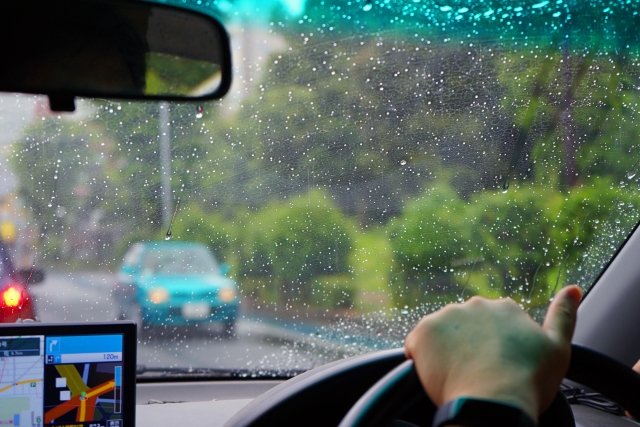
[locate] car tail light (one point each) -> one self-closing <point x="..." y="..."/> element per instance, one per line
<point x="12" y="297"/>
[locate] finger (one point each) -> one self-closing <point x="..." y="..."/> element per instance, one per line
<point x="416" y="335"/>
<point x="408" y="344"/>
<point x="561" y="315"/>
<point x="410" y="341"/>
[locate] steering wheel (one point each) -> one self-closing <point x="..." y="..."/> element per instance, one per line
<point x="401" y="388"/>
<point x="322" y="396"/>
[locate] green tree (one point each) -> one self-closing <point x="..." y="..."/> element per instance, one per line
<point x="294" y="242"/>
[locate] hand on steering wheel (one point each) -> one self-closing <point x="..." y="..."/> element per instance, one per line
<point x="323" y="395"/>
<point x="492" y="350"/>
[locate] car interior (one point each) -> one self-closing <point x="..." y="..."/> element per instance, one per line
<point x="351" y="165"/>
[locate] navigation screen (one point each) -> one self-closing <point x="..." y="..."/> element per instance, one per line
<point x="72" y="380"/>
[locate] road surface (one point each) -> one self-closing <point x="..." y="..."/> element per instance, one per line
<point x="67" y="297"/>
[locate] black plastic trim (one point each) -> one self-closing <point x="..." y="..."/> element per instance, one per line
<point x="609" y="311"/>
<point x="226" y="68"/>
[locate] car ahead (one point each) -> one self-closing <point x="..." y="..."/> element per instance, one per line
<point x="169" y="284"/>
<point x="374" y="161"/>
<point x="16" y="302"/>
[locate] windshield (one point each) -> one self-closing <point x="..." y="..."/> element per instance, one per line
<point x="374" y="160"/>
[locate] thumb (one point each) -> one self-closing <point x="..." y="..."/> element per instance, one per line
<point x="561" y="315"/>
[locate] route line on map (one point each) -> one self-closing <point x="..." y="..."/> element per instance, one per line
<point x="86" y="406"/>
<point x="5" y="388"/>
<point x="92" y="398"/>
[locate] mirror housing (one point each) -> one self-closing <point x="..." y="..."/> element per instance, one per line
<point x="112" y="49"/>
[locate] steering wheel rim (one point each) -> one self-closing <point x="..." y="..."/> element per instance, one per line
<point x="401" y="387"/>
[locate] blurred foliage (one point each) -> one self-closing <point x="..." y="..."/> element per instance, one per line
<point x="210" y="228"/>
<point x="295" y="241"/>
<point x="433" y="232"/>
<point x="519" y="243"/>
<point x="49" y="178"/>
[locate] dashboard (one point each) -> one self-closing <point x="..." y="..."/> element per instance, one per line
<point x="319" y="397"/>
<point x="84" y="375"/>
<point x="217" y="411"/>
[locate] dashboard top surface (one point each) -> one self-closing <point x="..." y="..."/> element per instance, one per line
<point x="192" y="414"/>
<point x="216" y="413"/>
<point x="201" y="391"/>
<point x="213" y="403"/>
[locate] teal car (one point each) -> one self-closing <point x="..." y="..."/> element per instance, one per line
<point x="166" y="284"/>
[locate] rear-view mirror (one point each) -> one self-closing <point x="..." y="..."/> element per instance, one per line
<point x="111" y="49"/>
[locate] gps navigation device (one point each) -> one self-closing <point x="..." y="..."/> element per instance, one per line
<point x="67" y="375"/>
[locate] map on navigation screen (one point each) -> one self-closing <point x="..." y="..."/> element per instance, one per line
<point x="21" y="381"/>
<point x="60" y="381"/>
<point x="82" y="392"/>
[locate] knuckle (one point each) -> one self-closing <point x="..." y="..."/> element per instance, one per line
<point x="447" y="310"/>
<point x="476" y="300"/>
<point x="507" y="301"/>
<point x="409" y="342"/>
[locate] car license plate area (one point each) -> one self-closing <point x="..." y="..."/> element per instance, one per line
<point x="196" y="311"/>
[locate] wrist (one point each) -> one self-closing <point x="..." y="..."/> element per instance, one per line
<point x="518" y="394"/>
<point x="473" y="412"/>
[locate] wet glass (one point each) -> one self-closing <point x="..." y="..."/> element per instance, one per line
<point x="373" y="161"/>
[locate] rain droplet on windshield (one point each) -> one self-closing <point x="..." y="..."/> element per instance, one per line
<point x="634" y="170"/>
<point x="505" y="185"/>
<point x="540" y="5"/>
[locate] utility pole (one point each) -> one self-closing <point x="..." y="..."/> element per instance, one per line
<point x="165" y="164"/>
